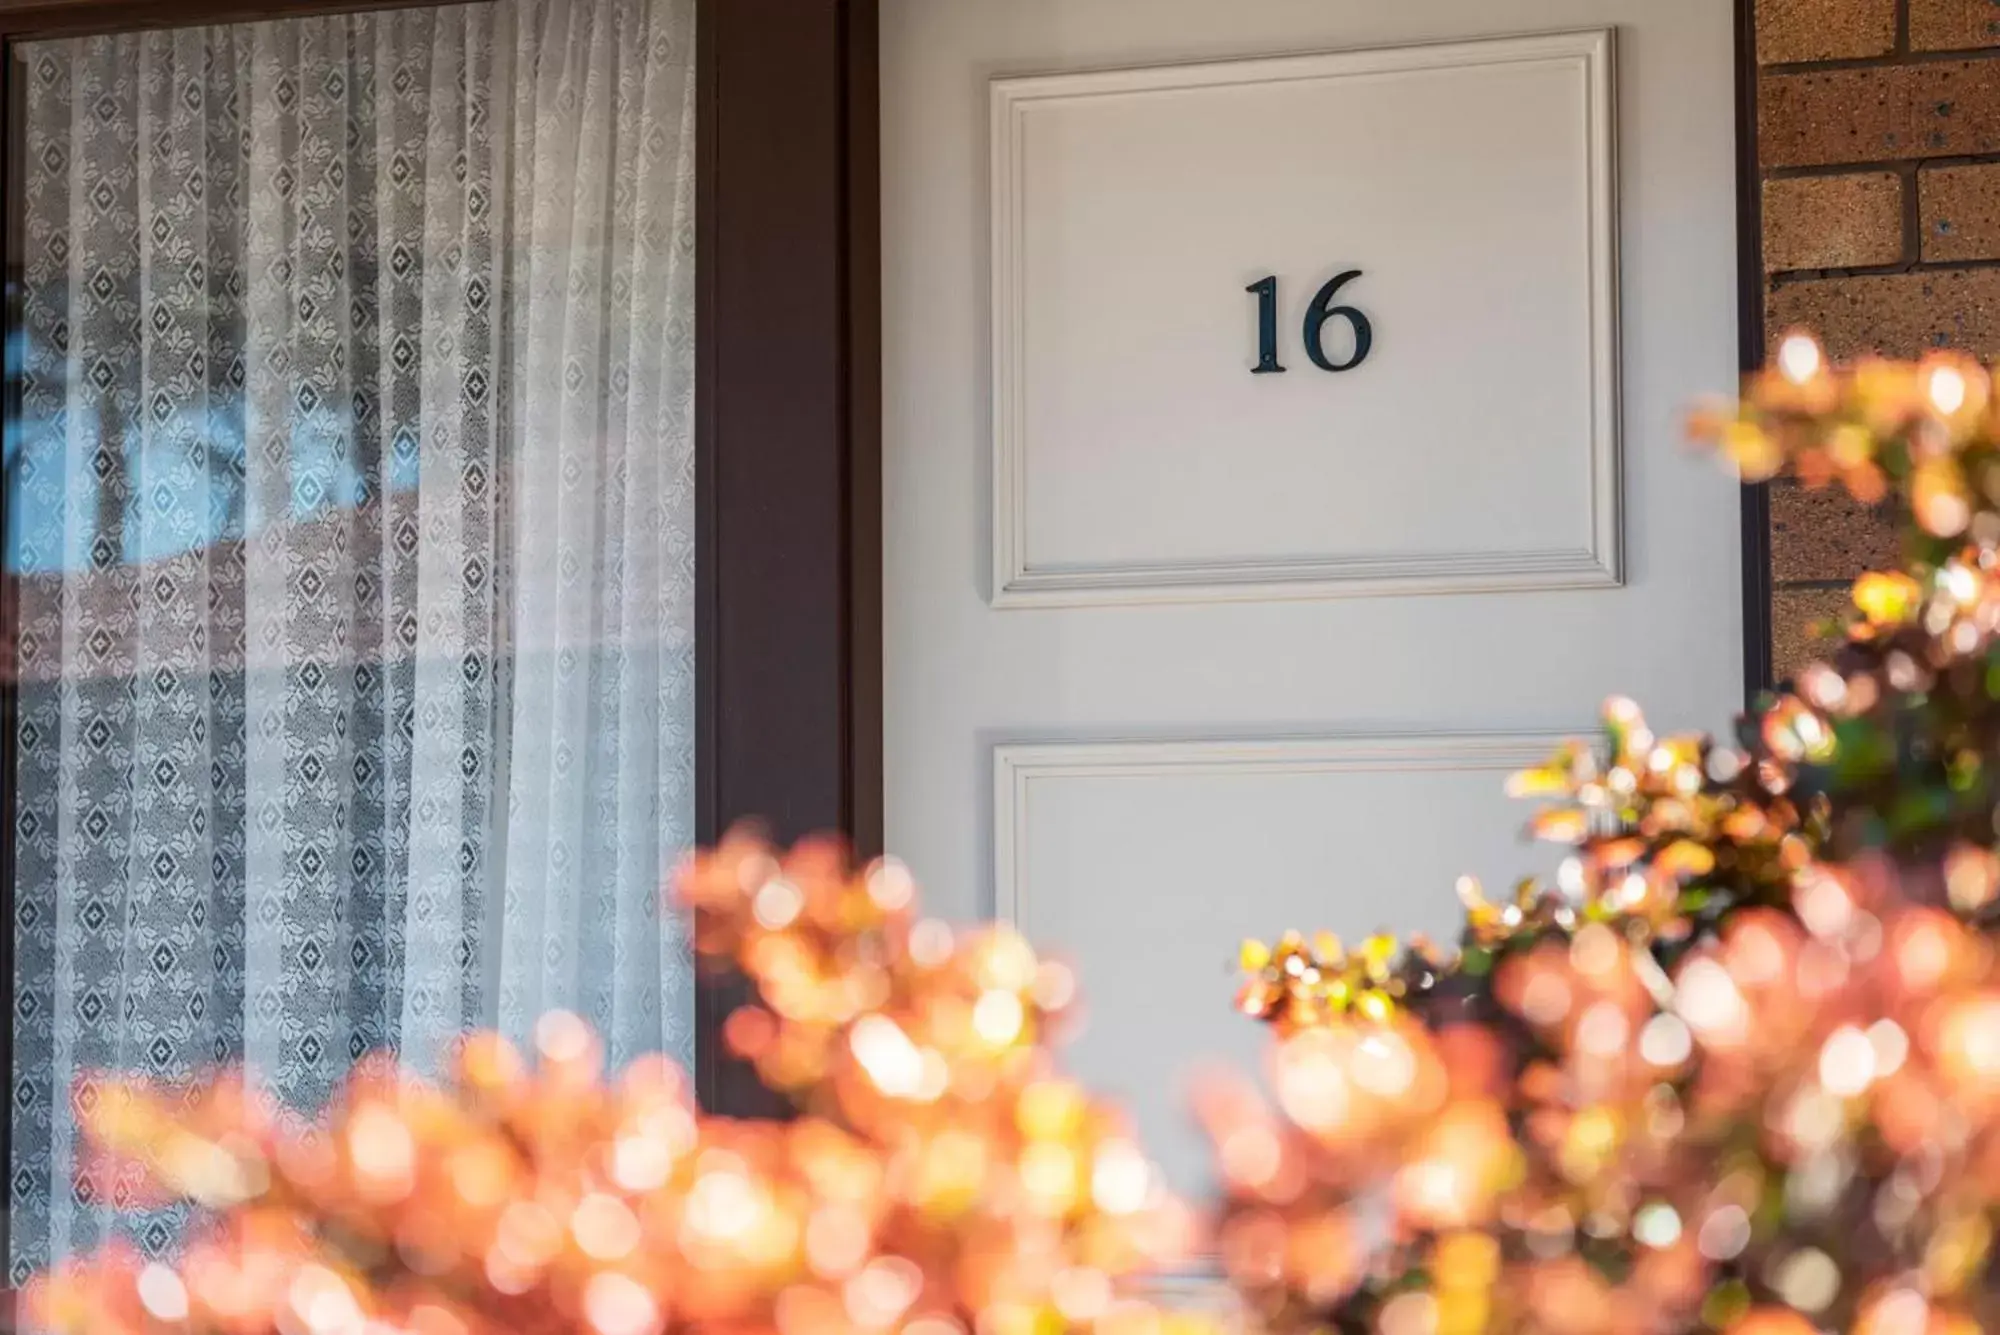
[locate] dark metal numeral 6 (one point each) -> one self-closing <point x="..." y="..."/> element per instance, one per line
<point x="1322" y="310"/>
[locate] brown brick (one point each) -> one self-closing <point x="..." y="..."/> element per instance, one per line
<point x="1960" y="208"/>
<point x="1898" y="315"/>
<point x="1798" y="616"/>
<point x="1951" y="25"/>
<point x="1823" y="533"/>
<point x="1833" y="222"/>
<point x="1937" y="108"/>
<point x="1824" y="29"/>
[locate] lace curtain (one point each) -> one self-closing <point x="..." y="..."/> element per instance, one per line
<point x="352" y="519"/>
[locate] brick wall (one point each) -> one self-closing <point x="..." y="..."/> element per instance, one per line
<point x="1878" y="141"/>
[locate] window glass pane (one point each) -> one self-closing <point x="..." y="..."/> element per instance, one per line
<point x="351" y="508"/>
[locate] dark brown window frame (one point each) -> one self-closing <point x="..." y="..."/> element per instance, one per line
<point x="788" y="430"/>
<point x="787" y="437"/>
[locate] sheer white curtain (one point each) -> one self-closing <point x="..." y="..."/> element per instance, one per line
<point x="352" y="514"/>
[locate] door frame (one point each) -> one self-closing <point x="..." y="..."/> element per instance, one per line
<point x="1757" y="654"/>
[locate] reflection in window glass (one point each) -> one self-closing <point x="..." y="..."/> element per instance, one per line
<point x="351" y="511"/>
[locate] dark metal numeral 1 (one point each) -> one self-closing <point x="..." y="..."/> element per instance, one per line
<point x="1266" y="290"/>
<point x="1323" y="310"/>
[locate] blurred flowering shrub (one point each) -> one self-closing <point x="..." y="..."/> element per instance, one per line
<point x="1736" y="1069"/>
<point x="943" y="1175"/>
<point x="1739" y="1068"/>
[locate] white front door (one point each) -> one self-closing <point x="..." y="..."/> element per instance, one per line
<point x="1182" y="647"/>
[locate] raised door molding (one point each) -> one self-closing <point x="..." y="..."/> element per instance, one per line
<point x="1017" y="766"/>
<point x="1591" y="552"/>
<point x="1198" y="1284"/>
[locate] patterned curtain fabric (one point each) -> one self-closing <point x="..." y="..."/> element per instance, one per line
<point x="352" y="519"/>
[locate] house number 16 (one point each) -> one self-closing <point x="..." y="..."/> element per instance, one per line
<point x="1314" y="331"/>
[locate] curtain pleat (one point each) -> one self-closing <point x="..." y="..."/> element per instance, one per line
<point x="353" y="518"/>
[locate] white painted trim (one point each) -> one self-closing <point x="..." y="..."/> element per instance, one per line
<point x="1016" y="583"/>
<point x="1017" y="765"/>
<point x="1307" y="577"/>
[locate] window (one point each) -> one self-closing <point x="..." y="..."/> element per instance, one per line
<point x="351" y="510"/>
